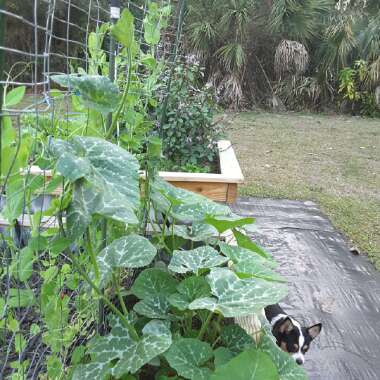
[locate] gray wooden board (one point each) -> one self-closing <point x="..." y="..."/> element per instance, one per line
<point x="326" y="284"/>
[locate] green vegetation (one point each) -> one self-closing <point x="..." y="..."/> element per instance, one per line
<point x="332" y="160"/>
<point x="189" y="134"/>
<point x="132" y="278"/>
<point x="287" y="52"/>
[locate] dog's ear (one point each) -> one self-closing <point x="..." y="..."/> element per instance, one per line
<point x="286" y="326"/>
<point x="314" y="331"/>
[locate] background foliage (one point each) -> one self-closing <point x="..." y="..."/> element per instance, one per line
<point x="313" y="41"/>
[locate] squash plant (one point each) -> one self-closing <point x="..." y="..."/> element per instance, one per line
<point x="171" y="290"/>
<point x="136" y="279"/>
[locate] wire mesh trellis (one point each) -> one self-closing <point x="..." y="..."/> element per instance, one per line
<point x="40" y="331"/>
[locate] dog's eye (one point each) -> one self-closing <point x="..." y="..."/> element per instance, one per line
<point x="305" y="348"/>
<point x="295" y="348"/>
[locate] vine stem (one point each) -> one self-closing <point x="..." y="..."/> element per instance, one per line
<point x="123" y="99"/>
<point x="91" y="253"/>
<point x="119" y="296"/>
<point x="205" y="325"/>
<point x="128" y="326"/>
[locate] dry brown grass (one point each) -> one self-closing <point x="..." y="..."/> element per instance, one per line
<point x="333" y="160"/>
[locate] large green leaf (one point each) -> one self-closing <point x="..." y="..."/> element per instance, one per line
<point x="196" y="259"/>
<point x="189" y="290"/>
<point x="222" y="356"/>
<point x="23" y="264"/>
<point x="20" y="298"/>
<point x="108" y="180"/>
<point x="117" y="168"/>
<point x="235" y="252"/>
<point x="154" y="21"/>
<point x="98" y="370"/>
<point x="131" y="354"/>
<point x="187" y="356"/>
<point x="195" y="232"/>
<point x="248" y="264"/>
<point x="287" y="368"/>
<point x="223" y="224"/>
<point x="153" y="282"/>
<point x="235" y="297"/>
<point x="132" y="251"/>
<point x="73" y="167"/>
<point x="123" y="30"/>
<point x="245" y="242"/>
<point x="14" y="96"/>
<point x="154" y="307"/>
<point x="184" y="205"/>
<point x="253" y="365"/>
<point x="78" y="213"/>
<point x="236" y="338"/>
<point x="98" y="92"/>
<point x="155" y="341"/>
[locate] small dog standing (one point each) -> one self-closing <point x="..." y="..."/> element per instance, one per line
<point x="290" y="335"/>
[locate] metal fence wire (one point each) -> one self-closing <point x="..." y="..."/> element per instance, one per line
<point x="40" y="331"/>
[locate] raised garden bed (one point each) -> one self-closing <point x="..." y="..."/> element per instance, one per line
<point x="217" y="187"/>
<point x="220" y="187"/>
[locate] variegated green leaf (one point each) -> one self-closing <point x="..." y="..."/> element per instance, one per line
<point x="188" y="357"/>
<point x="195" y="232"/>
<point x="197" y="211"/>
<point x="73" y="167"/>
<point x="236" y="338"/>
<point x="153" y="282"/>
<point x="91" y="371"/>
<point x="235" y="297"/>
<point x="112" y="166"/>
<point x="98" y="92"/>
<point x="130" y="355"/>
<point x="106" y="180"/>
<point x="196" y="259"/>
<point x="253" y="365"/>
<point x="154" y="307"/>
<point x="155" y="341"/>
<point x="132" y="251"/>
<point x="184" y="205"/>
<point x="248" y="264"/>
<point x="188" y="290"/>
<point x="238" y="253"/>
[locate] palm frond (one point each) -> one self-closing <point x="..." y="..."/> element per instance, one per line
<point x="232" y="56"/>
<point x="291" y="58"/>
<point x="299" y="20"/>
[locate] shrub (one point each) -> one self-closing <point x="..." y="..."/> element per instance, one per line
<point x="188" y="131"/>
<point x="357" y="95"/>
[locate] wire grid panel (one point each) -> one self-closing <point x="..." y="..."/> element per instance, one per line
<point x="45" y="37"/>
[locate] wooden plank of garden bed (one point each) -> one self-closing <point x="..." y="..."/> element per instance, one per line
<point x="221" y="187"/>
<point x="25" y="221"/>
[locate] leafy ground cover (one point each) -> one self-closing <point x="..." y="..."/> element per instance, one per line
<point x="333" y="160"/>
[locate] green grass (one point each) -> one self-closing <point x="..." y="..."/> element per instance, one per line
<point x="332" y="160"/>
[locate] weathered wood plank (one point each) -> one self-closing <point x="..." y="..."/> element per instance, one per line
<point x="217" y="187"/>
<point x="212" y="190"/>
<point x="229" y="164"/>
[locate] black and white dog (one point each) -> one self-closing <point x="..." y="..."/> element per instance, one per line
<point x="290" y="335"/>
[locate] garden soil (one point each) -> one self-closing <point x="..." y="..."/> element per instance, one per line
<point x="327" y="283"/>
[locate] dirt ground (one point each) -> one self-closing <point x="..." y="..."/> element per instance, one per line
<point x="333" y="160"/>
